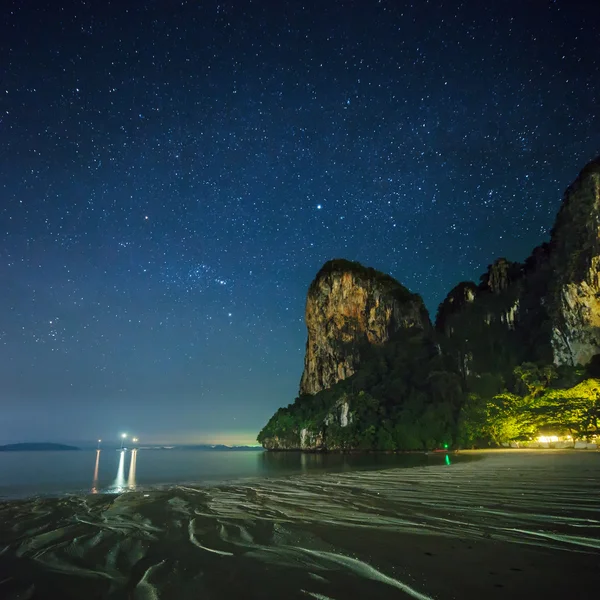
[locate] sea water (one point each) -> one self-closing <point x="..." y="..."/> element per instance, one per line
<point x="52" y="473"/>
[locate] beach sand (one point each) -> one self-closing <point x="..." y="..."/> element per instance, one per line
<point x="505" y="525"/>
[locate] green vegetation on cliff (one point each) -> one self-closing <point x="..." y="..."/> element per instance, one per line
<point x="403" y="397"/>
<point x="406" y="397"/>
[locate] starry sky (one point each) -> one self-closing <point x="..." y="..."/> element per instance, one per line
<point x="174" y="173"/>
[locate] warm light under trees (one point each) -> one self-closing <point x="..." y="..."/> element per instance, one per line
<point x="547" y="402"/>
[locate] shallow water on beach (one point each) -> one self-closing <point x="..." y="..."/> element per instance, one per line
<point x="514" y="525"/>
<point x="25" y="474"/>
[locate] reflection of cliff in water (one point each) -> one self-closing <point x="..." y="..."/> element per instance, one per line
<point x="294" y="462"/>
<point x="291" y="461"/>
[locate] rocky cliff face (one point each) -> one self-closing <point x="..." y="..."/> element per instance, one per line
<point x="347" y="307"/>
<point x="575" y="291"/>
<point x="547" y="309"/>
<point x="364" y="324"/>
<point x="480" y="324"/>
<point x="313" y="438"/>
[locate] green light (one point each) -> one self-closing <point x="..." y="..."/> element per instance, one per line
<point x="446" y="446"/>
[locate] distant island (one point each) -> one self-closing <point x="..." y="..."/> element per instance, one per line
<point x="212" y="447"/>
<point x="28" y="447"/>
<point x="223" y="447"/>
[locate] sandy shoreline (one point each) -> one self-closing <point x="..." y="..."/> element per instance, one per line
<point x="513" y="524"/>
<point x="483" y="451"/>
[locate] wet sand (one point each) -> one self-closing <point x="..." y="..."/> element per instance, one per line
<point x="510" y="525"/>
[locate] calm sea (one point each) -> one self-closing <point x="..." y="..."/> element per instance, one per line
<point x="24" y="474"/>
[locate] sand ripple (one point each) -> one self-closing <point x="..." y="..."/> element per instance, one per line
<point x="330" y="536"/>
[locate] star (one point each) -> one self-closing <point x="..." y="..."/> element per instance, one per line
<point x="424" y="144"/>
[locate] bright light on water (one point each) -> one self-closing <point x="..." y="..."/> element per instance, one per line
<point x="131" y="478"/>
<point x="23" y="474"/>
<point x="119" y="482"/>
<point x="95" y="481"/>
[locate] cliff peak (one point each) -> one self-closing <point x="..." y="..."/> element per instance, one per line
<point x="547" y="309"/>
<point x="341" y="266"/>
<point x="575" y="263"/>
<point x="350" y="305"/>
<point x="500" y="275"/>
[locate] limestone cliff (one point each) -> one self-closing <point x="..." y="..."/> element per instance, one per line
<point x="371" y="350"/>
<point x="377" y="376"/>
<point x="401" y="397"/>
<point x="547" y="309"/>
<point x="348" y="306"/>
<point x="575" y="291"/>
<point x="315" y="437"/>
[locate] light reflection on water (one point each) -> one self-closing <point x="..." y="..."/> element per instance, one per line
<point x="25" y="474"/>
<point x="282" y="463"/>
<point x="131" y="478"/>
<point x="279" y="463"/>
<point x="119" y="482"/>
<point x="95" y="481"/>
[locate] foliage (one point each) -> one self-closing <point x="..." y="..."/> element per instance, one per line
<point x="403" y="397"/>
<point x="535" y="379"/>
<point x="576" y="409"/>
<point x="472" y="429"/>
<point x="507" y="418"/>
<point x="544" y="398"/>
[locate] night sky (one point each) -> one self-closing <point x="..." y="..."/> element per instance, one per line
<point x="173" y="175"/>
